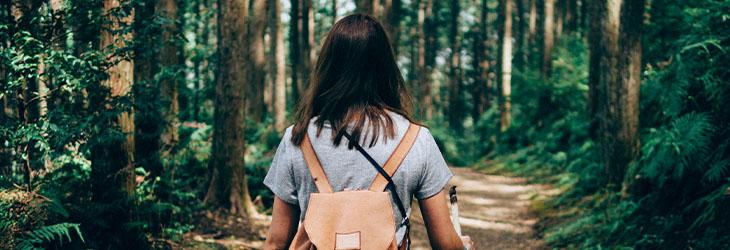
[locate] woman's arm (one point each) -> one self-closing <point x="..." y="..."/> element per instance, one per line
<point x="441" y="232"/>
<point x="284" y="223"/>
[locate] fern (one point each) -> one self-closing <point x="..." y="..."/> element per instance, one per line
<point x="716" y="171"/>
<point x="671" y="151"/>
<point x="48" y="234"/>
<point x="709" y="205"/>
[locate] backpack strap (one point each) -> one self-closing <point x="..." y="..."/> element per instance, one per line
<point x="315" y="168"/>
<point x="393" y="162"/>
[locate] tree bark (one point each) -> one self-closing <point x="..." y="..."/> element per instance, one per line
<point x="112" y="155"/>
<point x="149" y="123"/>
<point x="614" y="82"/>
<point x="169" y="59"/>
<point x="425" y="47"/>
<point x="120" y="81"/>
<point x="521" y="36"/>
<point x="571" y="15"/>
<point x="334" y="12"/>
<point x="255" y="106"/>
<point x="228" y="188"/>
<point x="548" y="38"/>
<point x="532" y="23"/>
<point x="506" y="63"/>
<point x="455" y="111"/>
<point x="431" y="88"/>
<point x="391" y="14"/>
<point x="483" y="86"/>
<point x="310" y="48"/>
<point x="6" y="112"/>
<point x="302" y="36"/>
<point x="559" y="15"/>
<point x="278" y="66"/>
<point x="294" y="53"/>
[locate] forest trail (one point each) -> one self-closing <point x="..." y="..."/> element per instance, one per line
<point x="493" y="211"/>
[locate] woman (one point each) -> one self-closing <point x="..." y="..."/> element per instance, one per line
<point x="357" y="88"/>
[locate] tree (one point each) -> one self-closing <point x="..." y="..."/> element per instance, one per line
<point x="228" y="188"/>
<point x="391" y="21"/>
<point x="277" y="65"/>
<point x="481" y="91"/>
<point x="559" y="18"/>
<point x="148" y="125"/>
<point x="454" y="103"/>
<point x="532" y="22"/>
<point x="614" y="82"/>
<point x="301" y="41"/>
<point x="119" y="83"/>
<point x="505" y="70"/>
<point x="112" y="152"/>
<point x="521" y="37"/>
<point x="294" y="53"/>
<point x="571" y="15"/>
<point x="424" y="57"/>
<point x="334" y="12"/>
<point x="367" y="7"/>
<point x="257" y="73"/>
<point x="547" y="38"/>
<point x="169" y="60"/>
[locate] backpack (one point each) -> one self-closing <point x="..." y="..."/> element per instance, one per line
<point x="361" y="219"/>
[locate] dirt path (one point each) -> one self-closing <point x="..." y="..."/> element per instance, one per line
<point x="493" y="211"/>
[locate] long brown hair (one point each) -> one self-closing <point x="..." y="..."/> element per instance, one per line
<point x="355" y="81"/>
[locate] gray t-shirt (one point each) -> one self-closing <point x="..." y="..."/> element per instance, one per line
<point x="423" y="173"/>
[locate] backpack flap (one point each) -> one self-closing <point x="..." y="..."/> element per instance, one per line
<point x="350" y="220"/>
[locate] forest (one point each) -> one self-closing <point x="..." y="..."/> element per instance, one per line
<point x="150" y="124"/>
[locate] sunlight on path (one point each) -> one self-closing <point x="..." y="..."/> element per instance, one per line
<point x="493" y="211"/>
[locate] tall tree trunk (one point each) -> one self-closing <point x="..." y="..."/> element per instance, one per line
<point x="277" y="65"/>
<point x="295" y="22"/>
<point x="112" y="159"/>
<point x="548" y="38"/>
<point x="431" y="88"/>
<point x="583" y="22"/>
<point x="255" y="106"/>
<point x="614" y="79"/>
<point x="455" y="111"/>
<point x="33" y="93"/>
<point x="310" y="48"/>
<point x="505" y="70"/>
<point x="6" y="112"/>
<point x="571" y="15"/>
<point x="559" y="15"/>
<point x="520" y="36"/>
<point x="228" y="188"/>
<point x="301" y="53"/>
<point x="483" y="87"/>
<point x="149" y="122"/>
<point x="423" y="68"/>
<point x="391" y="13"/>
<point x="532" y="23"/>
<point x="334" y="12"/>
<point x="169" y="59"/>
<point x="121" y="77"/>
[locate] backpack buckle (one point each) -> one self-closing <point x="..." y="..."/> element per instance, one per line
<point x="406" y="221"/>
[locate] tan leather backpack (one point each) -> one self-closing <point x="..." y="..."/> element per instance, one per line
<point x="360" y="219"/>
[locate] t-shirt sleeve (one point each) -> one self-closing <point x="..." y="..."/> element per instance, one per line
<point x="436" y="173"/>
<point x="280" y="178"/>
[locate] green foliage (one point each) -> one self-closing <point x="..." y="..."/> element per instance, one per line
<point x="673" y="193"/>
<point x="48" y="234"/>
<point x="670" y="152"/>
